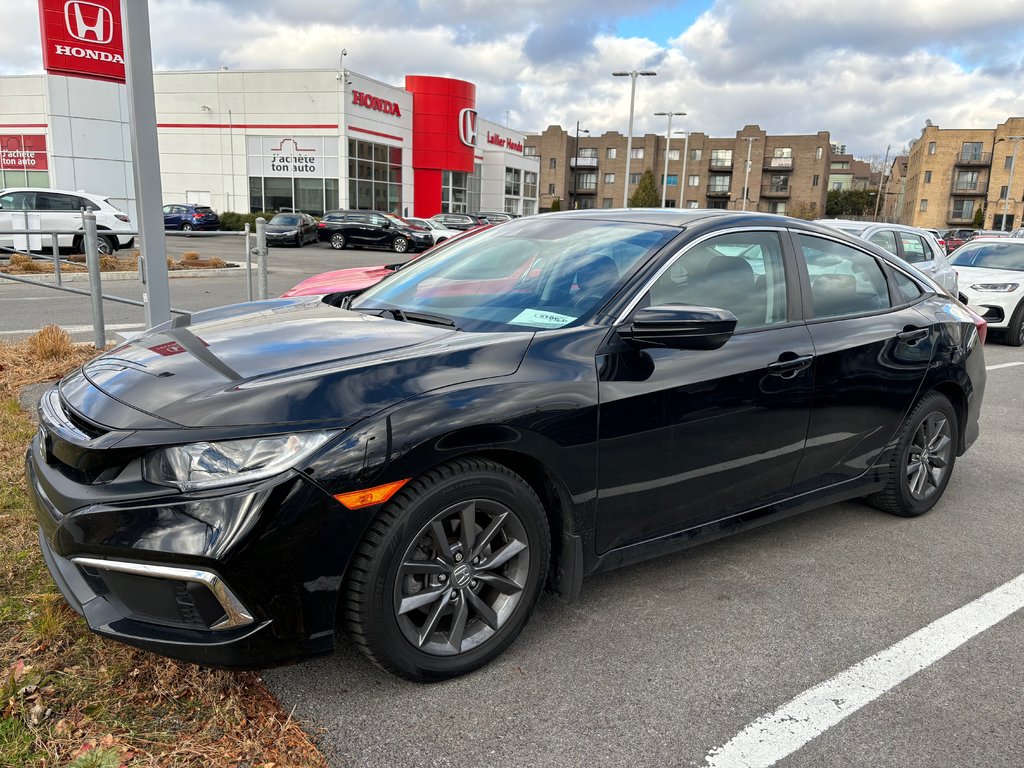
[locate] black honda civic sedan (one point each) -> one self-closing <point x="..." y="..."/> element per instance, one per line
<point x="557" y="396"/>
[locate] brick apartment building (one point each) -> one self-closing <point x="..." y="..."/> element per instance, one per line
<point x="952" y="173"/>
<point x="788" y="174"/>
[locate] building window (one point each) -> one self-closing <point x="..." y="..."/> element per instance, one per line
<point x="693" y="181"/>
<point x="818" y="153"/>
<point x="931" y="147"/>
<point x="610" y="153"/>
<point x="529" y="207"/>
<point x="606" y="202"/>
<point x="551" y="189"/>
<point x="670" y="203"/>
<point x="672" y="180"/>
<point x="1008" y="163"/>
<point x="718" y="204"/>
<point x="782" y="152"/>
<point x="588" y="152"/>
<point x="586" y="182"/>
<point x="636" y="153"/>
<point x="529" y="184"/>
<point x="971" y="150"/>
<point x="777" y="207"/>
<point x="553" y="163"/>
<point x="460" y="191"/>
<point x="692" y="204"/>
<point x="609" y="178"/>
<point x="529" y="151"/>
<point x="695" y="154"/>
<point x="282" y="180"/>
<point x="673" y="154"/>
<point x="721" y="157"/>
<point x="966" y="181"/>
<point x="719" y="183"/>
<point x="513" y="182"/>
<point x="816" y="180"/>
<point x="1002" y="192"/>
<point x="924" y="206"/>
<point x="963" y="210"/>
<point x="634" y="178"/>
<point x="512" y="205"/>
<point x="927" y="177"/>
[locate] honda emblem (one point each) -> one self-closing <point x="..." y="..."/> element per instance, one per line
<point x="89" y="22"/>
<point x="467" y="127"/>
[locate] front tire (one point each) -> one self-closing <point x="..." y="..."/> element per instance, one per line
<point x="1015" y="330"/>
<point x="400" y="245"/>
<point x="447" y="575"/>
<point x="923" y="461"/>
<point x="337" y="241"/>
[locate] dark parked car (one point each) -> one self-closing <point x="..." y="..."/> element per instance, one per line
<point x="956" y="237"/>
<point x="494" y="217"/>
<point x="416" y="467"/>
<point x="291" y="229"/>
<point x="187" y="217"/>
<point x="460" y="220"/>
<point x="370" y="229"/>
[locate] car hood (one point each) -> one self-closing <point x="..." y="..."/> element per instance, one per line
<point x="353" y="279"/>
<point x="969" y="275"/>
<point x="272" y="228"/>
<point x="282" y="362"/>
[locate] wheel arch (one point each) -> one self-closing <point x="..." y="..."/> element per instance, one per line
<point x="953" y="392"/>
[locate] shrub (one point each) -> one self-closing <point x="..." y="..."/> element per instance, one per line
<point x="556" y="204"/>
<point x="50" y="342"/>
<point x="646" y="195"/>
<point x="235" y="222"/>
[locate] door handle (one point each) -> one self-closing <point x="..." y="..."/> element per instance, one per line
<point x="911" y="335"/>
<point x="792" y="365"/>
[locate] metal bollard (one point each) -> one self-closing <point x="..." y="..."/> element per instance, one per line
<point x="248" y="260"/>
<point x="92" y="260"/>
<point x="55" y="248"/>
<point x="261" y="256"/>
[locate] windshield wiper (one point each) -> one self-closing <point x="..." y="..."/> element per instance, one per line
<point x="405" y="316"/>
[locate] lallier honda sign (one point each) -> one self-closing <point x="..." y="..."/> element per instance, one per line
<point x="82" y="38"/>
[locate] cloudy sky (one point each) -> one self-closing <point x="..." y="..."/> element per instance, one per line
<point x="869" y="71"/>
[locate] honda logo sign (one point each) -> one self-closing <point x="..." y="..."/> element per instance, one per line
<point x="89" y="22"/>
<point x="467" y="127"/>
<point x="83" y="38"/>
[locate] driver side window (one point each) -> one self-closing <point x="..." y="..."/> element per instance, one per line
<point x="741" y="272"/>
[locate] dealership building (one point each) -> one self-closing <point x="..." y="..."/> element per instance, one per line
<point x="266" y="140"/>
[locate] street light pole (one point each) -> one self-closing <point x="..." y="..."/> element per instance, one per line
<point x="1009" y="182"/>
<point x="668" y="141"/>
<point x="686" y="155"/>
<point x="746" y="177"/>
<point x="629" y="137"/>
<point x="576" y="163"/>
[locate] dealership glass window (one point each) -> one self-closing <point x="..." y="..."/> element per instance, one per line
<point x="695" y="154"/>
<point x="529" y="207"/>
<point x="693" y="181"/>
<point x="588" y="152"/>
<point x="529" y="185"/>
<point x="721" y="157"/>
<point x="513" y="182"/>
<point x="673" y="154"/>
<point x="672" y="180"/>
<point x="24" y="179"/>
<point x="374" y="176"/>
<point x="512" y="205"/>
<point x="293" y="172"/>
<point x="610" y="153"/>
<point x="460" y="191"/>
<point x="634" y="178"/>
<point x="637" y="153"/>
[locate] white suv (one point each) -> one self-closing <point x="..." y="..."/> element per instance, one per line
<point x="61" y="209"/>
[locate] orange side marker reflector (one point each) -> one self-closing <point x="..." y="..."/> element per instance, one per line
<point x="370" y="496"/>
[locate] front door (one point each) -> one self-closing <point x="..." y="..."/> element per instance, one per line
<point x="689" y="436"/>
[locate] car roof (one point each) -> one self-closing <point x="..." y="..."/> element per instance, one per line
<point x="79" y="192"/>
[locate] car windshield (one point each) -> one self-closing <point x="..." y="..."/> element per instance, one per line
<point x="1002" y="255"/>
<point x="398" y="220"/>
<point x="536" y="274"/>
<point x="285" y="220"/>
<point x="850" y="227"/>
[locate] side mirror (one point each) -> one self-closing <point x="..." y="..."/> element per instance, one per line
<point x="386" y="224"/>
<point x="678" y="326"/>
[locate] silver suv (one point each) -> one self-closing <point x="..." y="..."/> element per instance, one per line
<point x="914" y="245"/>
<point x="53" y="209"/>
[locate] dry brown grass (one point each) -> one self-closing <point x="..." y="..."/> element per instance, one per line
<point x="66" y="692"/>
<point x="49" y="343"/>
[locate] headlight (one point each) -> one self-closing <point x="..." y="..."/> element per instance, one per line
<point x="996" y="287"/>
<point x="209" y="465"/>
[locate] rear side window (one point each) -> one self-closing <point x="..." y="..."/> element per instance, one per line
<point x="844" y="280"/>
<point x="885" y="239"/>
<point x="18" y="201"/>
<point x="908" y="289"/>
<point x="914" y="248"/>
<point x="51" y="201"/>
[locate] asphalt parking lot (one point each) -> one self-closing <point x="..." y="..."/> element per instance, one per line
<point x="663" y="663"/>
<point x="675" y="662"/>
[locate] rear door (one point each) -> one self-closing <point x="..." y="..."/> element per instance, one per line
<point x="872" y="350"/>
<point x="58" y="211"/>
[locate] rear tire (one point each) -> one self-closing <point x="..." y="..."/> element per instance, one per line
<point x="106" y="245"/>
<point x="448" y="573"/>
<point x="186" y="227"/>
<point x="337" y="241"/>
<point x="923" y="461"/>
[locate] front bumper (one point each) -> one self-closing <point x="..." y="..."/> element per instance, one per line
<point x="997" y="308"/>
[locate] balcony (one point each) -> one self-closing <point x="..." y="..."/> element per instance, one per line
<point x="583" y="162"/>
<point x="960" y="216"/>
<point x="775" y="190"/>
<point x="778" y="163"/>
<point x="967" y="188"/>
<point x="973" y="158"/>
<point x="718" y="191"/>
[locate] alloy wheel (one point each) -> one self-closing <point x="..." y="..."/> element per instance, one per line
<point x="929" y="458"/>
<point x="462" y="577"/>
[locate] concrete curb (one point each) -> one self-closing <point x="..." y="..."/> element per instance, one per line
<point x="83" y="277"/>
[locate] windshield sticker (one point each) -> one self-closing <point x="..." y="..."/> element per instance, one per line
<point x="541" y="318"/>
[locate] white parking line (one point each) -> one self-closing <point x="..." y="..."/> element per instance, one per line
<point x="1001" y="365"/>
<point x="780" y="733"/>
<point x="79" y="328"/>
